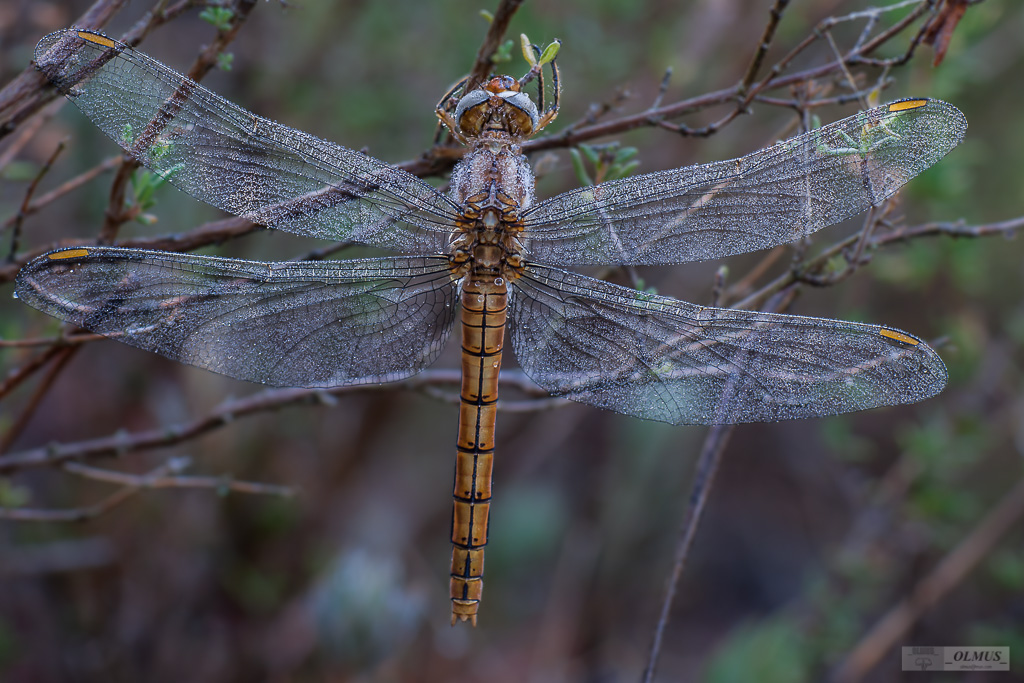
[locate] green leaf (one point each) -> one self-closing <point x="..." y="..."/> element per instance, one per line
<point x="1008" y="569"/>
<point x="127" y="135"/>
<point x="13" y="496"/>
<point x="579" y="168"/>
<point x="769" y="652"/>
<point x="504" y="52"/>
<point x="550" y="52"/>
<point x="527" y="47"/>
<point x="20" y="171"/>
<point x="219" y="17"/>
<point x="621" y="170"/>
<point x="625" y="154"/>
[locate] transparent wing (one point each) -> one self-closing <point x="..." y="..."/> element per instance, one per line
<point x="661" y="359"/>
<point x="240" y="162"/>
<point x="770" y="197"/>
<point x="300" y="324"/>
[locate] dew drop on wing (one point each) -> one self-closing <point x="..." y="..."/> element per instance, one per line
<point x="15" y="295"/>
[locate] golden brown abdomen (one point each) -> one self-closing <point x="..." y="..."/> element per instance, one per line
<point x="484" y="311"/>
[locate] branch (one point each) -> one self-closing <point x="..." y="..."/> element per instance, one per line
<point x="740" y="93"/>
<point x="264" y="401"/>
<point x="117" y="212"/>
<point x="439" y="159"/>
<point x="63" y="355"/>
<point x="64" y="188"/>
<point x="166" y="475"/>
<point x="804" y="270"/>
<point x="19" y="218"/>
<point x="492" y="41"/>
<point x="29" y="92"/>
<point x="707" y="465"/>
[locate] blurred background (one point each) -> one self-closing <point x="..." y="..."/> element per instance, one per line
<point x="814" y="529"/>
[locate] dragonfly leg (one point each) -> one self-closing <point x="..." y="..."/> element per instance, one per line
<point x="444" y="110"/>
<point x="546" y="115"/>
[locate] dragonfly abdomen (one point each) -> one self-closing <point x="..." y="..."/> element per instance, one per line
<point x="484" y="312"/>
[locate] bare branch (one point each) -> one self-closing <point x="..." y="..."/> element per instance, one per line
<point x="166" y="475"/>
<point x="775" y="16"/>
<point x="707" y="465"/>
<point x="19" y="218"/>
<point x="801" y="270"/>
<point x="116" y="213"/>
<point x="492" y="41"/>
<point x="29" y="92"/>
<point x="271" y="399"/>
<point x="15" y="377"/>
<point x="53" y="195"/>
<point x="63" y="355"/>
<point x="169" y="476"/>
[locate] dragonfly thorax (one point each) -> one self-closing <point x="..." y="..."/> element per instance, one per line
<point x="493" y="185"/>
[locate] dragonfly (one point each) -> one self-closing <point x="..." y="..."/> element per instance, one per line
<point x="483" y="253"/>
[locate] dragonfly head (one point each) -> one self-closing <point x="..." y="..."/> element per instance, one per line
<point x="498" y="105"/>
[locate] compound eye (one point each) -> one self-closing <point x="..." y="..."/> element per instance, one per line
<point x="469" y="113"/>
<point x="526" y="111"/>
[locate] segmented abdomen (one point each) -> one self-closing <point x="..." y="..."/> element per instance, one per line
<point x="484" y="311"/>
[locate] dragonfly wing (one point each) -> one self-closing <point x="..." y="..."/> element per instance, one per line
<point x="298" y="324"/>
<point x="770" y="197"/>
<point x="662" y="359"/>
<point x="237" y="161"/>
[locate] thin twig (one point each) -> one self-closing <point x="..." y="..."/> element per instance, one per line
<point x="272" y="399"/>
<point x="774" y="80"/>
<point x="28" y="92"/>
<point x="170" y="478"/>
<point x="746" y="283"/>
<point x="440" y="158"/>
<point x="492" y="41"/>
<point x="63" y="355"/>
<point x="855" y="259"/>
<point x="116" y="213"/>
<point x="851" y="81"/>
<point x="707" y="466"/>
<point x="1007" y="227"/>
<point x="64" y="188"/>
<point x="15" y="377"/>
<point x="896" y="28"/>
<point x="19" y="218"/>
<point x="165" y="476"/>
<point x="73" y="337"/>
<point x="775" y="16"/>
<point x="227" y="412"/>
